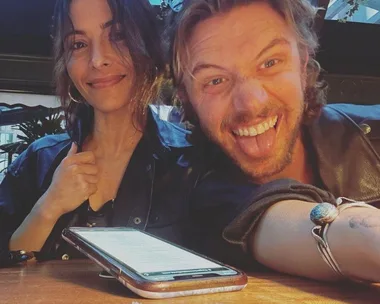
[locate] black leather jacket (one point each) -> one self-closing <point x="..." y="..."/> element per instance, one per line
<point x="346" y="139"/>
<point x="153" y="194"/>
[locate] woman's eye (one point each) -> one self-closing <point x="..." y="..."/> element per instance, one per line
<point x="216" y="81"/>
<point x="78" y="45"/>
<point x="270" y="63"/>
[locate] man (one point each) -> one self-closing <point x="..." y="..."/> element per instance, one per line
<point x="247" y="76"/>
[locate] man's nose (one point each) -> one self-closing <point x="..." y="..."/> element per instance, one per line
<point x="249" y="95"/>
<point x="100" y="56"/>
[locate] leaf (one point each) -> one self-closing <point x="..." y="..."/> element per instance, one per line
<point x="11" y="148"/>
<point x="33" y="129"/>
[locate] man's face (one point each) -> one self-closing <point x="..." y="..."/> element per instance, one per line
<point x="245" y="84"/>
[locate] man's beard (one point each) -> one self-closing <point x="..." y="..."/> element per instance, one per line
<point x="267" y="175"/>
<point x="249" y="169"/>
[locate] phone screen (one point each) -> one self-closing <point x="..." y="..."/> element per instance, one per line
<point x="152" y="258"/>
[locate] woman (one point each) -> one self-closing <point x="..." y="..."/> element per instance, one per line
<point x="113" y="167"/>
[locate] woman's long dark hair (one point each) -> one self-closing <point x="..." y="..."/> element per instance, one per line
<point x="136" y="22"/>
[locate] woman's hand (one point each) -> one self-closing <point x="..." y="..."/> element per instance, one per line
<point x="74" y="181"/>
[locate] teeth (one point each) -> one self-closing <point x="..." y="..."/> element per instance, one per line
<point x="258" y="129"/>
<point x="252" y="131"/>
<point x="273" y="122"/>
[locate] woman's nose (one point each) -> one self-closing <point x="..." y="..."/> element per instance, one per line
<point x="100" y="56"/>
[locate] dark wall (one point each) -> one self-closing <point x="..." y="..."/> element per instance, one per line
<point x="350" y="48"/>
<point x="350" y="55"/>
<point x="25" y="46"/>
<point x="25" y="27"/>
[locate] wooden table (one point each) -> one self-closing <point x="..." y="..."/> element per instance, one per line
<point x="77" y="281"/>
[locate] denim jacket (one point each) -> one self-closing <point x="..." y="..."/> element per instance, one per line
<point x="153" y="194"/>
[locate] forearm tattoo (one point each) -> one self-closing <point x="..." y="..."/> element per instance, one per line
<point x="369" y="221"/>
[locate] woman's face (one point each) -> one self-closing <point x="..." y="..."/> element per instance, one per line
<point x="98" y="64"/>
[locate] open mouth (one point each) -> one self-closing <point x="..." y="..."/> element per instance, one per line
<point x="257" y="129"/>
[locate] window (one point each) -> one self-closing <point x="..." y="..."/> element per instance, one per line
<point x="21" y="108"/>
<point x="368" y="11"/>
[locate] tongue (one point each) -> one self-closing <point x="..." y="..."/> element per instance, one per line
<point x="258" y="146"/>
<point x="265" y="141"/>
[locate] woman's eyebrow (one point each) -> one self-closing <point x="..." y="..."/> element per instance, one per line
<point x="81" y="32"/>
<point x="107" y="24"/>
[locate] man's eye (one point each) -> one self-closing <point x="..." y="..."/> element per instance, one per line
<point x="78" y="45"/>
<point x="270" y="63"/>
<point x="216" y="81"/>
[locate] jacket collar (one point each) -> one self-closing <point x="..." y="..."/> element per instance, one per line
<point x="348" y="163"/>
<point x="161" y="135"/>
<point x="168" y="134"/>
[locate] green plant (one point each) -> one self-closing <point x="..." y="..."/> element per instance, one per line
<point x="32" y="130"/>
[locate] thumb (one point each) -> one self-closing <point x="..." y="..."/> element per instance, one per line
<point x="73" y="149"/>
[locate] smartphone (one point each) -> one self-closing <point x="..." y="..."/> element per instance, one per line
<point x="151" y="267"/>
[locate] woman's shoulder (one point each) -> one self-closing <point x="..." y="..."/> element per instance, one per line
<point x="49" y="142"/>
<point x="42" y="151"/>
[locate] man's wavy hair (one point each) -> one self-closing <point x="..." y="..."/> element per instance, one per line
<point x="300" y="16"/>
<point x="136" y="22"/>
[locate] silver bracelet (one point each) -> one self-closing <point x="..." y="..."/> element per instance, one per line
<point x="323" y="215"/>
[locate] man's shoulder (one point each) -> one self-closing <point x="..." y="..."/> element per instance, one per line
<point x="359" y="119"/>
<point x="354" y="112"/>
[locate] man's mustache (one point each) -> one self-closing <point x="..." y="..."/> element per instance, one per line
<point x="244" y="117"/>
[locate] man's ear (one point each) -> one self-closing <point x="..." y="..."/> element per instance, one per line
<point x="182" y="94"/>
<point x="189" y="113"/>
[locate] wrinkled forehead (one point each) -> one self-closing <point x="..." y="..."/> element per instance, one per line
<point x="244" y="29"/>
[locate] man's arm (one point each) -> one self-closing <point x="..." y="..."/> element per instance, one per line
<point x="283" y="242"/>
